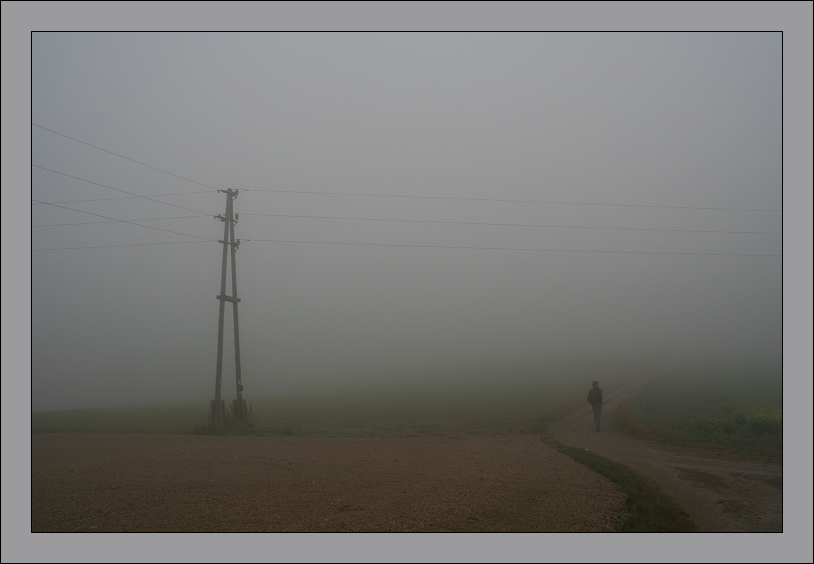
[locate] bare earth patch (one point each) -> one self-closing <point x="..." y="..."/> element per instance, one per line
<point x="440" y="482"/>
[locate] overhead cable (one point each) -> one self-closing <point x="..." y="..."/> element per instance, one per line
<point x="126" y="158"/>
<point x="505" y="200"/>
<point x="113" y="246"/>
<point x="116" y="220"/>
<point x="125" y="197"/>
<point x="507" y="224"/>
<point x="511" y="248"/>
<point x="126" y="221"/>
<point x="117" y="189"/>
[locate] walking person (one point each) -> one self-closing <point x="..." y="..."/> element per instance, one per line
<point x="595" y="399"/>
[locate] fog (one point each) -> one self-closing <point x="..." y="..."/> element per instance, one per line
<point x="409" y="205"/>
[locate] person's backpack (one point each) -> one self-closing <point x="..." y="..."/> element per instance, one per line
<point x="595" y="396"/>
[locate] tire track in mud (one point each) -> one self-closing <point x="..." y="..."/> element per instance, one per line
<point x="719" y="493"/>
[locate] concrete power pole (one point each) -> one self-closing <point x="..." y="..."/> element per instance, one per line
<point x="239" y="404"/>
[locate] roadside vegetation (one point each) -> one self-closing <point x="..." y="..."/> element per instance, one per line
<point x="648" y="511"/>
<point x="735" y="409"/>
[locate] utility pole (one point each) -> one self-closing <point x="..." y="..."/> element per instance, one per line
<point x="238" y="405"/>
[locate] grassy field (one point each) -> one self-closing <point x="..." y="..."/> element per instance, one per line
<point x="518" y="397"/>
<point x="724" y="406"/>
<point x="729" y="407"/>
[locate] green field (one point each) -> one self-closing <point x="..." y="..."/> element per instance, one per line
<point x="519" y="397"/>
<point x="733" y="407"/>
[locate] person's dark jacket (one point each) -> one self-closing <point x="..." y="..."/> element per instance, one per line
<point x="595" y="396"/>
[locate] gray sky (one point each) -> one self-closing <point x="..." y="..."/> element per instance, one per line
<point x="473" y="199"/>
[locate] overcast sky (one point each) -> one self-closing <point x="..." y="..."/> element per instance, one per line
<point x="408" y="203"/>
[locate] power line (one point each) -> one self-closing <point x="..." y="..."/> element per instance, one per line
<point x="395" y="220"/>
<point x="117" y="189"/>
<point x="509" y="224"/>
<point x="125" y="221"/>
<point x="503" y="200"/>
<point x="511" y="248"/>
<point x="123" y="157"/>
<point x="410" y="196"/>
<point x="424" y="247"/>
<point x="122" y="197"/>
<point x="116" y="220"/>
<point x="113" y="246"/>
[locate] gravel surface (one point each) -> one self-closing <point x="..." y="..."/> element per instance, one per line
<point x="425" y="482"/>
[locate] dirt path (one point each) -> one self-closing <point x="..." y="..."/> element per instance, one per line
<point x="719" y="493"/>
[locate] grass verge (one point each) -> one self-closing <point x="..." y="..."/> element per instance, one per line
<point x="649" y="511"/>
<point x="727" y="408"/>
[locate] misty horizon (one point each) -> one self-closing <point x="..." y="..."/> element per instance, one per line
<point x="409" y="205"/>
